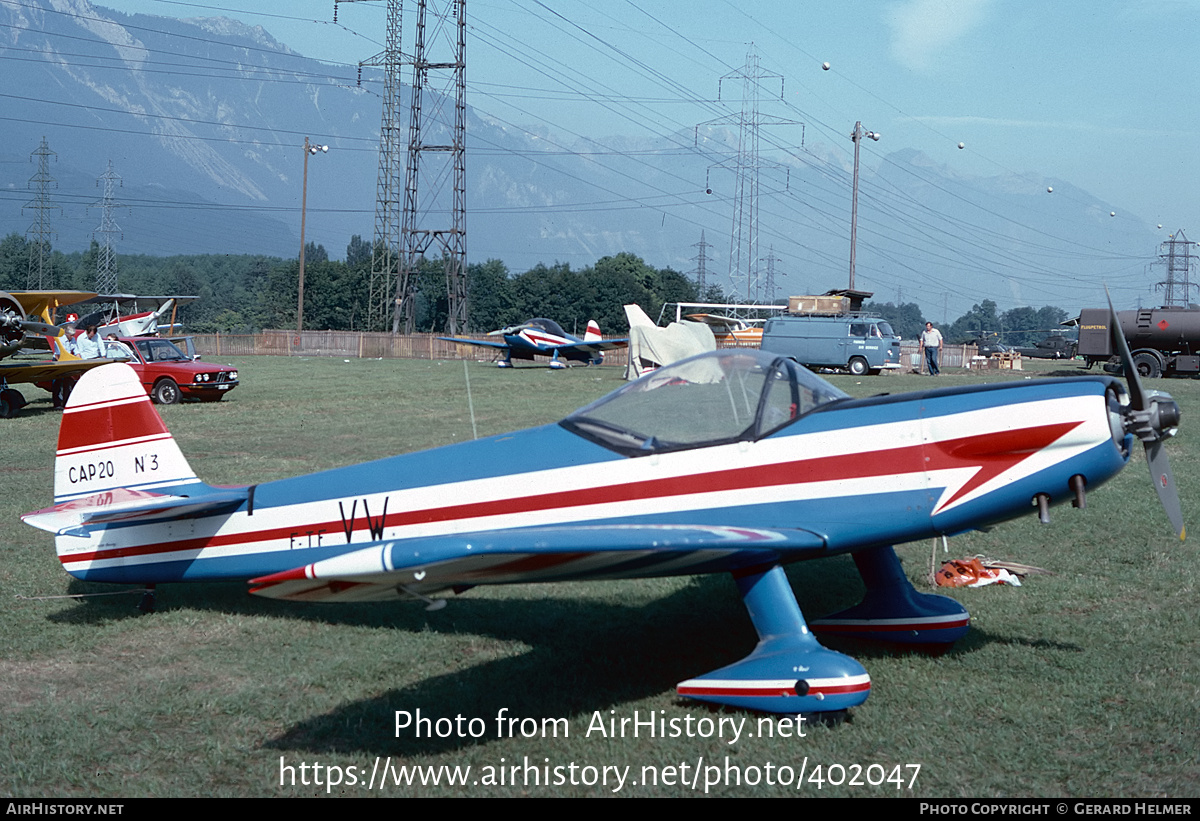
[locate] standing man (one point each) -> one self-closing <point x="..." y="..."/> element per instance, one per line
<point x="931" y="346"/>
<point x="90" y="346"/>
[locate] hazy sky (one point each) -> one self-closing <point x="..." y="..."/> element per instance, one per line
<point x="1097" y="92"/>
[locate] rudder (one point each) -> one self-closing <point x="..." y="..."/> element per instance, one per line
<point x="112" y="437"/>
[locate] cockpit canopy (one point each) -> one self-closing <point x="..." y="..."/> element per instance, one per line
<point x="547" y="325"/>
<point x="723" y="396"/>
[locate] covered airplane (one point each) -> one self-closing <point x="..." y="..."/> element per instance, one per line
<point x="651" y="347"/>
<point x="544" y="337"/>
<point x="734" y="461"/>
<point x="16" y="331"/>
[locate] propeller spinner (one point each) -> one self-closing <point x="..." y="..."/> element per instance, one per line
<point x="1152" y="416"/>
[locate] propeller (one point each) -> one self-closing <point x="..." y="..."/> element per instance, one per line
<point x="1152" y="416"/>
<point x="11" y="321"/>
<point x="511" y="329"/>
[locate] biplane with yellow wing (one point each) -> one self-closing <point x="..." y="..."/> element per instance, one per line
<point x="16" y="330"/>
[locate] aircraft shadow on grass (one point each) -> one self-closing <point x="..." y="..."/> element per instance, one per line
<point x="584" y="655"/>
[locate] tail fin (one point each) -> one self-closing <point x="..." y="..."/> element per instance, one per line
<point x="637" y="317"/>
<point x="592" y="334"/>
<point x="111" y="437"/>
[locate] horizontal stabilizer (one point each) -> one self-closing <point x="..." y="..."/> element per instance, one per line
<point x="123" y="505"/>
<point x="418" y="568"/>
<point x="597" y="345"/>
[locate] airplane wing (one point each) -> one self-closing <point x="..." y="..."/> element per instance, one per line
<point x="34" y="370"/>
<point x="36" y="302"/>
<point x="503" y="346"/>
<point x="716" y="320"/>
<point x="418" y="568"/>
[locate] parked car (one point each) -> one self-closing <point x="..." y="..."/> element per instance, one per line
<point x="168" y="373"/>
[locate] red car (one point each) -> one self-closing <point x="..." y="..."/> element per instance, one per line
<point x="168" y="373"/>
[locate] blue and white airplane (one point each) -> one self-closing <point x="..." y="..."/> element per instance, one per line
<point x="734" y="461"/>
<point x="544" y="337"/>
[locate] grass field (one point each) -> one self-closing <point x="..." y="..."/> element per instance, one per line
<point x="1082" y="683"/>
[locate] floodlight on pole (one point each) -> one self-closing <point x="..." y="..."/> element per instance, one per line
<point x="309" y="148"/>
<point x="856" y="136"/>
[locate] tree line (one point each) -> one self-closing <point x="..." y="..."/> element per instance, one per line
<point x="245" y="293"/>
<point x="1017" y="326"/>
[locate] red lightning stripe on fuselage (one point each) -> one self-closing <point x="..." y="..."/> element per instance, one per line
<point x="990" y="453"/>
<point x="544" y="339"/>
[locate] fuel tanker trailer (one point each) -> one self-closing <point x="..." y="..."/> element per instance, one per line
<point x="1163" y="341"/>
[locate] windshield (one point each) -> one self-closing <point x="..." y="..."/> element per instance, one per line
<point x="159" y="350"/>
<point x="116" y="350"/>
<point x="723" y="396"/>
<point x="547" y="325"/>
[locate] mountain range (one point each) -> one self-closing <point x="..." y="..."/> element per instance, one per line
<point x="204" y="122"/>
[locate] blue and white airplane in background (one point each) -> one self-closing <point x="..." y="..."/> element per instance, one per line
<point x="544" y="337"/>
<point x="734" y="461"/>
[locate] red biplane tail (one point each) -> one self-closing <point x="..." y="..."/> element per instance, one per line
<point x="111" y="438"/>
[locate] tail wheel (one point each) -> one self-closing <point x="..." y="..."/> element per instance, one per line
<point x="165" y="392"/>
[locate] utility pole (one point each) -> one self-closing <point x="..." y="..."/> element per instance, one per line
<point x="744" y="239"/>
<point x="309" y="148"/>
<point x="701" y="264"/>
<point x="385" y="251"/>
<point x="402" y="218"/>
<point x="106" y="262"/>
<point x="1176" y="254"/>
<point x="40" y="234"/>
<point x="857" y="136"/>
<point x="767" y="294"/>
<point x="416" y="236"/>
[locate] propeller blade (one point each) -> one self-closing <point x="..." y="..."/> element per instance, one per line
<point x="1137" y="396"/>
<point x="1164" y="485"/>
<point x="1152" y="416"/>
<point x="39" y="328"/>
<point x="511" y="329"/>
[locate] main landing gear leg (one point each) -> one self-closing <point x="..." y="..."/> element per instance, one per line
<point x="892" y="609"/>
<point x="789" y="671"/>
